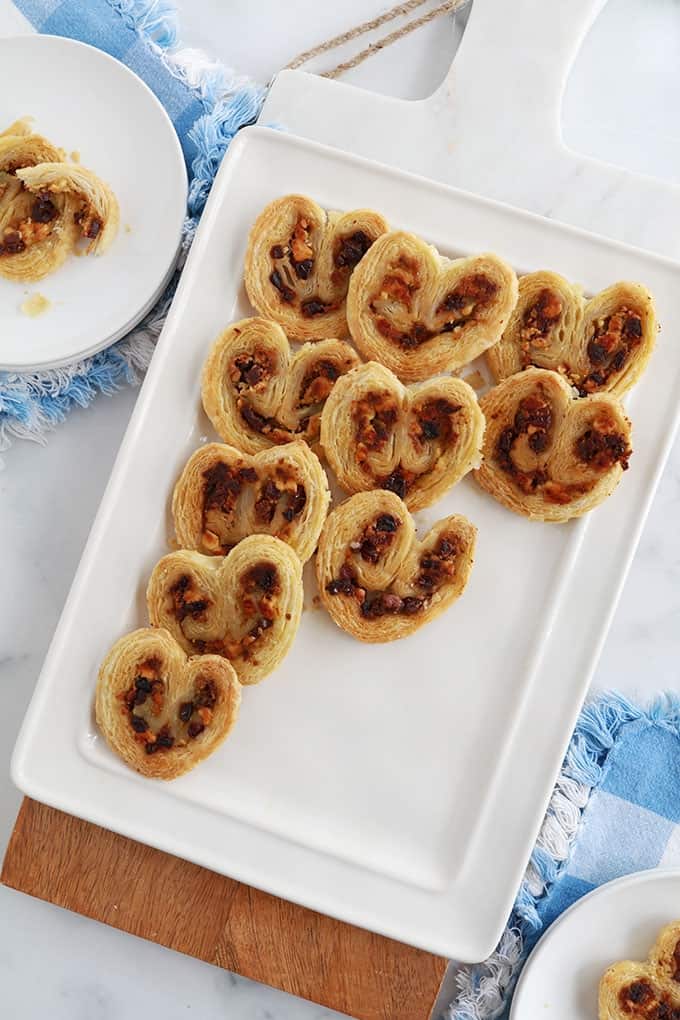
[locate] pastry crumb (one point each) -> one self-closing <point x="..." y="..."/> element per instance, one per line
<point x="475" y="379"/>
<point x="75" y="156"/>
<point x="35" y="305"/>
<point x="316" y="602"/>
<point x="128" y="228"/>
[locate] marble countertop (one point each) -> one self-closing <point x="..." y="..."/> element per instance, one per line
<point x="621" y="110"/>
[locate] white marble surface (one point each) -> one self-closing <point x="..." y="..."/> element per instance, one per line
<point x="621" y="104"/>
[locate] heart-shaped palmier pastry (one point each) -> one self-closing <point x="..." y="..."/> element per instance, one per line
<point x="377" y="581"/>
<point x="599" y="345"/>
<point x="633" y="990"/>
<point x="160" y="711"/>
<point x="47" y="206"/>
<point x="245" y="607"/>
<point x="419" y="313"/>
<point x="36" y="234"/>
<point x="548" y="454"/>
<point x="258" y="394"/>
<point x="95" y="206"/>
<point x="223" y="496"/>
<point x="299" y="262"/>
<point x="416" y="441"/>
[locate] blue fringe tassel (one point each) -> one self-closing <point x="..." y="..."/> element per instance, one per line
<point x="156" y="20"/>
<point x="597" y="731"/>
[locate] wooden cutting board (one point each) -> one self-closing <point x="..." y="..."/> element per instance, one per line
<point x="148" y="893"/>
<point x="492" y="128"/>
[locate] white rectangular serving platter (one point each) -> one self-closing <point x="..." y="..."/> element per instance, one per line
<point x="399" y="787"/>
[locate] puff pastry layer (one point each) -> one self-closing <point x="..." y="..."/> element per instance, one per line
<point x="160" y="711"/>
<point x="419" y="313"/>
<point x="245" y="607"/>
<point x="632" y="990"/>
<point x="257" y="393"/>
<point x="47" y="206"/>
<point x="547" y="454"/>
<point x="416" y="441"/>
<point x="223" y="496"/>
<point x="299" y="262"/>
<point x="599" y="345"/>
<point x="96" y="213"/>
<point x="377" y="581"/>
<point x="37" y="232"/>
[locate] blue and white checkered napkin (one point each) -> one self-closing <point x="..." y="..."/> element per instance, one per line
<point x="207" y="104"/>
<point x="615" y="810"/>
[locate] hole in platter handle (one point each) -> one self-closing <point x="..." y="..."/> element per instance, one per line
<point x="508" y="75"/>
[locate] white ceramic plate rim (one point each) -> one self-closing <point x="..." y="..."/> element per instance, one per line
<point x="605" y="891"/>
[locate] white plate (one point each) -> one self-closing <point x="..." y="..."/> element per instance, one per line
<point x="618" y="921"/>
<point x="379" y="784"/>
<point x="87" y="102"/>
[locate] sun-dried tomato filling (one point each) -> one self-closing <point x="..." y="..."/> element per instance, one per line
<point x="33" y="218"/>
<point x="376" y="538"/>
<point x="290" y="494"/>
<point x="318" y="383"/>
<point x="467" y="298"/>
<point x="248" y="371"/>
<point x="295" y="260"/>
<point x="398" y="481"/>
<point x="534" y="419"/>
<point x="197" y="714"/>
<point x="392" y="305"/>
<point x="436" y="567"/>
<point x="223" y="484"/>
<point x="280" y="491"/>
<point x="144" y="702"/>
<point x="33" y="224"/>
<point x="613" y="339"/>
<point x="434" y="420"/>
<point x="642" y="999"/>
<point x="89" y="221"/>
<point x="348" y="252"/>
<point x="146" y="698"/>
<point x="251" y="372"/>
<point x="187" y="600"/>
<point x="374" y="416"/>
<point x="538" y="321"/>
<point x="601" y="446"/>
<point x="259" y="587"/>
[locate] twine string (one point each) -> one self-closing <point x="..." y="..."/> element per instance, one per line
<point x="401" y="10"/>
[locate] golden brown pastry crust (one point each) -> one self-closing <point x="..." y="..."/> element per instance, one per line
<point x="245" y="606"/>
<point x="377" y="581"/>
<point x="419" y="313"/>
<point x="547" y="454"/>
<point x="19" y="127"/>
<point x="96" y="209"/>
<point x="632" y="990"/>
<point x="160" y="711"/>
<point x="258" y="394"/>
<point x="600" y="345"/>
<point x="37" y="233"/>
<point x="224" y="495"/>
<point x="299" y="261"/>
<point x="416" y="441"/>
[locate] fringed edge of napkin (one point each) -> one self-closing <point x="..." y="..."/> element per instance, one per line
<point x="484" y="989"/>
<point x="32" y="404"/>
